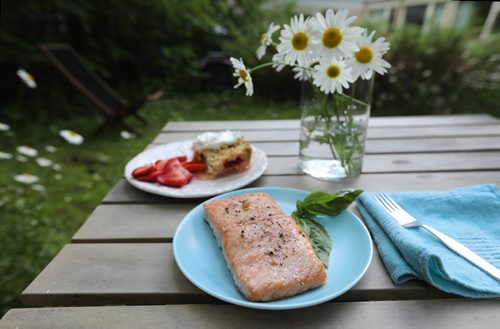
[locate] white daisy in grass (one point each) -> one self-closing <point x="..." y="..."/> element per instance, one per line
<point x="43" y="162"/>
<point x="21" y="158"/>
<point x="127" y="134"/>
<point x="332" y="77"/>
<point x="51" y="149"/>
<point x="4" y="127"/>
<point x="27" y="151"/>
<point x="26" y="78"/>
<point x="369" y="57"/>
<point x="266" y="40"/>
<point x="26" y="178"/>
<point x="38" y="188"/>
<point x="296" y="41"/>
<point x="71" y="137"/>
<point x="278" y="62"/>
<point x="57" y="167"/>
<point x="243" y="75"/>
<point x="5" y="155"/>
<point x="333" y="38"/>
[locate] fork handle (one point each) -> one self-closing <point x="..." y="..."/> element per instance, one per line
<point x="465" y="252"/>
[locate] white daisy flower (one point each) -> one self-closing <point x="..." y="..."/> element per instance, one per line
<point x="126" y="134"/>
<point x="333" y="38"/>
<point x="5" y="155"/>
<point x="243" y="75"/>
<point x="21" y="158"/>
<point x="51" y="149"/>
<point x="43" y="162"/>
<point x="26" y="178"/>
<point x="369" y="57"/>
<point x="57" y="167"/>
<point x="295" y="41"/>
<point x="71" y="137"/>
<point x="4" y="127"/>
<point x="332" y="77"/>
<point x="302" y="73"/>
<point x="26" y="78"/>
<point x="27" y="151"/>
<point x="266" y="40"/>
<point x="278" y="62"/>
<point x="38" y="188"/>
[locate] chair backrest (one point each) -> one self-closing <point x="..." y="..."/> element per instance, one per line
<point x="71" y="65"/>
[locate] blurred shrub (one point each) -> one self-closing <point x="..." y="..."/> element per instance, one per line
<point x="138" y="46"/>
<point x="135" y="45"/>
<point x="443" y="71"/>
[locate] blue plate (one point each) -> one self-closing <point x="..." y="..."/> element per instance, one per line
<point x="200" y="258"/>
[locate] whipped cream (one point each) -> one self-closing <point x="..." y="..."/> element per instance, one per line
<point x="212" y="140"/>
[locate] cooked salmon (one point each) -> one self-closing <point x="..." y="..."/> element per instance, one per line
<point x="268" y="253"/>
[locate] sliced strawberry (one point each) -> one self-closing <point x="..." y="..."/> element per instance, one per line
<point x="160" y="164"/>
<point x="151" y="177"/>
<point x="182" y="158"/>
<point x="195" y="166"/>
<point x="173" y="178"/>
<point x="144" y="170"/>
<point x="174" y="174"/>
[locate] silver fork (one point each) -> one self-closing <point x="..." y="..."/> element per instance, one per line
<point x="406" y="220"/>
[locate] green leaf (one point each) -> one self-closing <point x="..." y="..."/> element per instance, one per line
<point x="321" y="203"/>
<point x="318" y="236"/>
<point x="317" y="204"/>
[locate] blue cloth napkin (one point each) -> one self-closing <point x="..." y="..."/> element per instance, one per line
<point x="470" y="215"/>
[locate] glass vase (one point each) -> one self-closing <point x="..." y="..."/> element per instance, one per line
<point x="333" y="130"/>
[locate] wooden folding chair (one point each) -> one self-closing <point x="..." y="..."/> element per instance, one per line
<point x="111" y="104"/>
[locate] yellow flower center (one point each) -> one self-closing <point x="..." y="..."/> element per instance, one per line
<point x="244" y="75"/>
<point x="300" y="41"/>
<point x="29" y="77"/>
<point x="262" y="38"/>
<point x="333" y="71"/>
<point x="332" y="37"/>
<point x="72" y="133"/>
<point x="364" y="54"/>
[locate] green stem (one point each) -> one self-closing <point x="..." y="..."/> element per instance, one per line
<point x="354" y="100"/>
<point x="262" y="66"/>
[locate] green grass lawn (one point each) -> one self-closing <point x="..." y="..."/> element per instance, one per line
<point x="35" y="225"/>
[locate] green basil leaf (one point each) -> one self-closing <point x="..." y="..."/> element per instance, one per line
<point x="318" y="236"/>
<point x="317" y="204"/>
<point x="321" y="203"/>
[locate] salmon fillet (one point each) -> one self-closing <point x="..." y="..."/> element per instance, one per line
<point x="268" y="253"/>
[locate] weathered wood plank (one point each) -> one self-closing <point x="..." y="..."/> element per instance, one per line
<point x="283" y="135"/>
<point x="429" y="162"/>
<point x="444" y="314"/>
<point x="287" y="135"/>
<point x="411" y="162"/>
<point x="132" y="223"/>
<point x="231" y="124"/>
<point x="426" y="120"/>
<point x="377" y="146"/>
<point x="146" y="273"/>
<point x="123" y="192"/>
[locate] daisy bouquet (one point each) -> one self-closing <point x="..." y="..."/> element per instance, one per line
<point x="337" y="61"/>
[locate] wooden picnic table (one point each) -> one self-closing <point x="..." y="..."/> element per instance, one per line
<point x="119" y="270"/>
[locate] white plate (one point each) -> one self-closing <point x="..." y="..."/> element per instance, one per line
<point x="197" y="188"/>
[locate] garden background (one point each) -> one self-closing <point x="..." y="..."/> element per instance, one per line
<point x="140" y="46"/>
